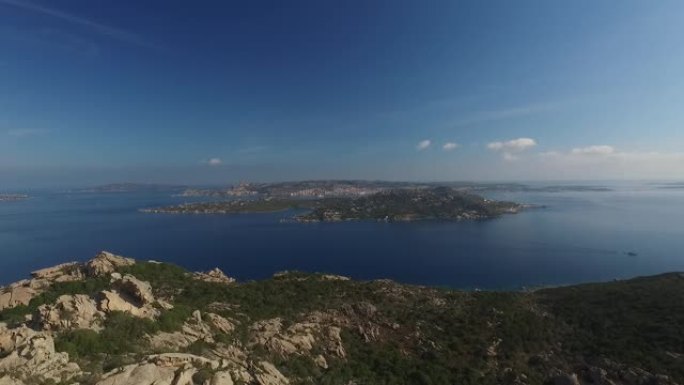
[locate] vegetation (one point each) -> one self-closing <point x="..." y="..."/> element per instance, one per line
<point x="637" y="322"/>
<point x="90" y="286"/>
<point x="410" y="204"/>
<point x="399" y="334"/>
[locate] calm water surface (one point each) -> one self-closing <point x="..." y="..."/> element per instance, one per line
<point x="579" y="237"/>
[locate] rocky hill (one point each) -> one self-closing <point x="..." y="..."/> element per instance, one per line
<point x="117" y="321"/>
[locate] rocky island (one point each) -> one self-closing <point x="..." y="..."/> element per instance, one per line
<point x="12" y="197"/>
<point x="117" y="321"/>
<point x="409" y="204"/>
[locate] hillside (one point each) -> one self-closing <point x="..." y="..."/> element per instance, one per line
<point x="114" y="320"/>
<point x="442" y="203"/>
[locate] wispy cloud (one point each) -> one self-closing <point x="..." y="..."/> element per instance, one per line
<point x="102" y="29"/>
<point x="23" y="132"/>
<point x="423" y="144"/>
<point x="214" y="162"/>
<point x="509" y="149"/>
<point x="505" y="113"/>
<point x="606" y="161"/>
<point x="448" y="146"/>
<point x="594" y="150"/>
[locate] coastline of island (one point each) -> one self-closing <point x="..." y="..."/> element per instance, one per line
<point x="392" y="205"/>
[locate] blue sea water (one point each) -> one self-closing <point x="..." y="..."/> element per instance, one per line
<point x="579" y="237"/>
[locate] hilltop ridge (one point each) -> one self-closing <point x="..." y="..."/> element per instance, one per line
<point x="114" y="320"/>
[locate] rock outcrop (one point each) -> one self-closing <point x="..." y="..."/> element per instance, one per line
<point x="266" y="373"/>
<point x="180" y="369"/>
<point x="22" y="292"/>
<point x="30" y="356"/>
<point x="129" y="295"/>
<point x="19" y="293"/>
<point x="215" y="276"/>
<point x="196" y="328"/>
<point x="70" y="312"/>
<point x="298" y="338"/>
<point x="106" y="263"/>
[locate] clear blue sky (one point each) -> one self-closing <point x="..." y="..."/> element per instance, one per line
<point x="216" y="91"/>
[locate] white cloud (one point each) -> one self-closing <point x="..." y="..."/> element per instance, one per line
<point x="450" y="146"/>
<point x="214" y="162"/>
<point x="594" y="150"/>
<point x="515" y="145"/>
<point x="423" y="144"/>
<point x="511" y="148"/>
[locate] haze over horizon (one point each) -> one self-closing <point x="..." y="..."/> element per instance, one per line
<point x="167" y="92"/>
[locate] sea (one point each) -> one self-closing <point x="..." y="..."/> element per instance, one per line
<point x="620" y="231"/>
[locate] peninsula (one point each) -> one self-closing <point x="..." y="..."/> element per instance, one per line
<point x="117" y="321"/>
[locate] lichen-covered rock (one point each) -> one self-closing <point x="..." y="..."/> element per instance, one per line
<point x="266" y="373"/>
<point x="70" y="312"/>
<point x="139" y="291"/>
<point x="130" y="295"/>
<point x="105" y="263"/>
<point x="139" y="374"/>
<point x="111" y="301"/>
<point x="20" y="293"/>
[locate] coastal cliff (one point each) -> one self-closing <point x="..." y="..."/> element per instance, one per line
<point x="117" y="321"/>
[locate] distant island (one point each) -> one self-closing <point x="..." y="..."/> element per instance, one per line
<point x="12" y="197"/>
<point x="129" y="187"/>
<point x="358" y="188"/>
<point x="408" y="204"/>
<point x="114" y="320"/>
<point x="233" y="207"/>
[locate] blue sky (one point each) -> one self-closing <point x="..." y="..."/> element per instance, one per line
<point x="169" y="91"/>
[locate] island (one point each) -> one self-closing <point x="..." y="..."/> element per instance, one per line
<point x="318" y="189"/>
<point x="406" y="204"/>
<point x="232" y="207"/>
<point x="12" y="197"/>
<point x="130" y="187"/>
<point x="114" y="320"/>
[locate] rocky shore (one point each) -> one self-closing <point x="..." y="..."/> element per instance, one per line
<point x="117" y="321"/>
